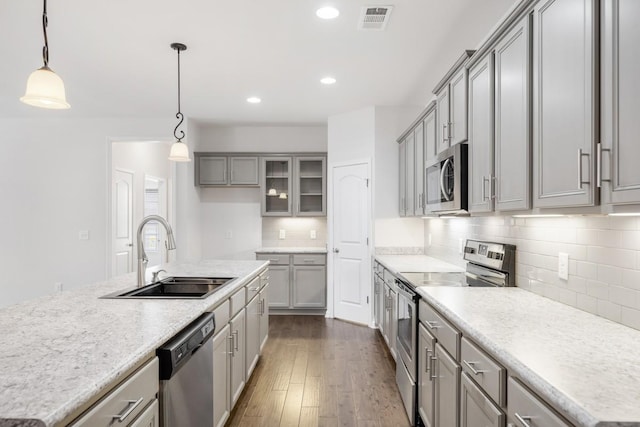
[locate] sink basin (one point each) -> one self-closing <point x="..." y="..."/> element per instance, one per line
<point x="176" y="288"/>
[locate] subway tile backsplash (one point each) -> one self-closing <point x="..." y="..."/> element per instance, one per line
<point x="604" y="257"/>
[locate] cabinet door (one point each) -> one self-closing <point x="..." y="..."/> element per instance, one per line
<point x="387" y="314"/>
<point x="426" y="385"/>
<point x="481" y="135"/>
<point x="276" y="184"/>
<point x="212" y="170"/>
<point x="244" y="170"/>
<point x="311" y="186"/>
<point x="221" y="376"/>
<point x="149" y="418"/>
<point x="447" y="390"/>
<point x="378" y="301"/>
<point x="526" y="407"/>
<point x="442" y="103"/>
<point x="458" y="109"/>
<point x="620" y="101"/>
<point x="238" y="353"/>
<point x="430" y="136"/>
<point x="409" y="174"/>
<point x="280" y="286"/>
<point x="309" y="286"/>
<point x="402" y="199"/>
<point x="264" y="315"/>
<point x="253" y="334"/>
<point x="418" y="171"/>
<point x="393" y="321"/>
<point x="476" y="409"/>
<point x="563" y="103"/>
<point x="512" y="120"/>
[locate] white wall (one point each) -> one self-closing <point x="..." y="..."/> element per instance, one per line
<point x="53" y="183"/>
<point x="237" y="210"/>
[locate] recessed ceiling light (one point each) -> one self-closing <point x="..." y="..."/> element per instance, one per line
<point x="327" y="12"/>
<point x="254" y="100"/>
<point x="327" y="80"/>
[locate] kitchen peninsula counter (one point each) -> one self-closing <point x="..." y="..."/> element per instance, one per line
<point x="583" y="365"/>
<point x="59" y="352"/>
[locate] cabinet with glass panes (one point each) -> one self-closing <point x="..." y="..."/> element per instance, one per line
<point x="310" y="186"/>
<point x="276" y="186"/>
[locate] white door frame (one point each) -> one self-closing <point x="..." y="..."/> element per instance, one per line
<point x="330" y="246"/>
<point x="171" y="190"/>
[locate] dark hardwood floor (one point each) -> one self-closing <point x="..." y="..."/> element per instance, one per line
<point x="321" y="372"/>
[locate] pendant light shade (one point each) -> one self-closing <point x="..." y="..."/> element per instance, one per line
<point x="179" y="150"/>
<point x="45" y="88"/>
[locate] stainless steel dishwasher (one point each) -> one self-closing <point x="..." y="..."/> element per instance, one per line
<point x="186" y="376"/>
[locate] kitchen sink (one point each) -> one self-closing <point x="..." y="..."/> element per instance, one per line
<point x="179" y="287"/>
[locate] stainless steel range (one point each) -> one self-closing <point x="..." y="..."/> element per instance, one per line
<point x="489" y="264"/>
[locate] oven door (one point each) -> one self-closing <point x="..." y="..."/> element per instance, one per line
<point x="407" y="327"/>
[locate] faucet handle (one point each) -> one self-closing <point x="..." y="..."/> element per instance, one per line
<point x="154" y="278"/>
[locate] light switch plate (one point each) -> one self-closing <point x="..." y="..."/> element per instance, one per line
<point x="282" y="234"/>
<point x="83" y="235"/>
<point x="228" y="234"/>
<point x="563" y="265"/>
<point x="313" y="235"/>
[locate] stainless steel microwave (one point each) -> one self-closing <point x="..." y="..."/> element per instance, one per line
<point x="446" y="181"/>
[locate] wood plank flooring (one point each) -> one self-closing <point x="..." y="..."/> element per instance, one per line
<point x="321" y="372"/>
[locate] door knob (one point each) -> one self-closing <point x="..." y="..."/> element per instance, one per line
<point x="130" y="245"/>
<point x="336" y="250"/>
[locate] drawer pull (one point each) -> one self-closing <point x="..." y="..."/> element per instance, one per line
<point x="254" y="289"/>
<point x="432" y="376"/>
<point x="131" y="406"/>
<point x="308" y="260"/>
<point x="432" y="325"/>
<point x="474" y="370"/>
<point x="523" y="419"/>
<point x="230" y="338"/>
<point x="427" y="361"/>
<point x="274" y="260"/>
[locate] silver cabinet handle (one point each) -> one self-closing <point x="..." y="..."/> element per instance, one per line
<point x="262" y="309"/>
<point x="308" y="260"/>
<point x="432" y="376"/>
<point x="235" y="340"/>
<point x="432" y="325"/>
<point x="445" y="139"/>
<point x="274" y="260"/>
<point x="473" y="370"/>
<point x="523" y="419"/>
<point x="580" y="156"/>
<point x="230" y="337"/>
<point x="599" y="151"/>
<point x="485" y="180"/>
<point x="131" y="406"/>
<point x="254" y="289"/>
<point x="427" y="361"/>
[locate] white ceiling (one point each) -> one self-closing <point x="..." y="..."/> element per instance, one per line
<point x="115" y="59"/>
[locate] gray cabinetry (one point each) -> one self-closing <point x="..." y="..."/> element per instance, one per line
<point x="222" y="169"/>
<point x="280" y="285"/>
<point x="309" y="286"/>
<point x="564" y="109"/>
<point x="221" y="373"/>
<point x="476" y="409"/>
<point x="418" y="170"/>
<point x="389" y="319"/>
<point x="149" y="418"/>
<point x="310" y="186"/>
<point x="527" y="410"/>
<point x="447" y="382"/>
<point x="443" y="121"/>
<point x="264" y="313"/>
<point x="409" y="171"/>
<point x="276" y="185"/>
<point x="252" y="326"/>
<point x="499" y="141"/>
<point x="237" y="350"/>
<point x="620" y="108"/>
<point x="430" y="135"/>
<point x="402" y="170"/>
<point x="426" y="376"/>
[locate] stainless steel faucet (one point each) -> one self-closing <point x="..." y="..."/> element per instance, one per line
<point x="142" y="255"/>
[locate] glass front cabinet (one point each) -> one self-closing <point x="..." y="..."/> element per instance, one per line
<point x="276" y="186"/>
<point x="310" y="186"/>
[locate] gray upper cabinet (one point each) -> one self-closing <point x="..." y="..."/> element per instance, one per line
<point x="276" y="185"/>
<point x="443" y="138"/>
<point x="221" y="169"/>
<point x="402" y="170"/>
<point x="310" y="186"/>
<point x="499" y="125"/>
<point x="211" y="170"/>
<point x="418" y="170"/>
<point x="430" y="134"/>
<point x="619" y="173"/>
<point x="244" y="170"/>
<point x="564" y="94"/>
<point x="409" y="171"/>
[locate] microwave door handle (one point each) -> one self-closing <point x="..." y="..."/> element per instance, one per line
<point x="442" y="172"/>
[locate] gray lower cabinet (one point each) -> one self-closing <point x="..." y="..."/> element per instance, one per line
<point x="221" y="375"/>
<point x="378" y="289"/>
<point x="619" y="173"/>
<point x="237" y="350"/>
<point x="564" y="103"/>
<point x="253" y="334"/>
<point x="280" y="281"/>
<point x="426" y="384"/>
<point x="309" y="286"/>
<point x="476" y="409"/>
<point x="527" y="410"/>
<point x="150" y="417"/>
<point x="264" y="314"/>
<point x="447" y="391"/>
<point x="390" y="320"/>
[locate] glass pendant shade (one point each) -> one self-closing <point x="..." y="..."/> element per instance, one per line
<point x="179" y="152"/>
<point x="272" y="192"/>
<point x="283" y="195"/>
<point x="45" y="89"/>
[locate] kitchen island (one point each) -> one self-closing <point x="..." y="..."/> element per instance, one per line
<point x="61" y="353"/>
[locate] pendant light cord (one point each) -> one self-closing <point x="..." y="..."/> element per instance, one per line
<point x="45" y="48"/>
<point x="179" y="115"/>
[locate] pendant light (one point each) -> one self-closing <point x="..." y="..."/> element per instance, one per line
<point x="45" y="88"/>
<point x="179" y="150"/>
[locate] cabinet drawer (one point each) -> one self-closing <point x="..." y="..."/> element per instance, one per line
<point x="275" y="259"/>
<point x="527" y="410"/>
<point x="264" y="278"/>
<point x="237" y="301"/>
<point x="389" y="278"/>
<point x="253" y="288"/>
<point x="445" y="333"/>
<point x="476" y="409"/>
<point x="127" y="400"/>
<point x="308" y="259"/>
<point x="221" y="315"/>
<point x="489" y="375"/>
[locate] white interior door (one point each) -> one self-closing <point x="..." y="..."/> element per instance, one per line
<point x="351" y="214"/>
<point x="154" y="235"/>
<point x="122" y="224"/>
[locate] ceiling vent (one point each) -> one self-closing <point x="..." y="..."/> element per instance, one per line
<point x="374" y="17"/>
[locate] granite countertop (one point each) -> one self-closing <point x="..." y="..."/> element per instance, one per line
<point x="293" y="250"/>
<point x="416" y="264"/>
<point x="60" y="351"/>
<point x="586" y="366"/>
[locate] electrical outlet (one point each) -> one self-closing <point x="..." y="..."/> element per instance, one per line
<point x="282" y="234"/>
<point x="83" y="235"/>
<point x="57" y="287"/>
<point x="228" y="234"/>
<point x="563" y="265"/>
<point x="313" y="235"/>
